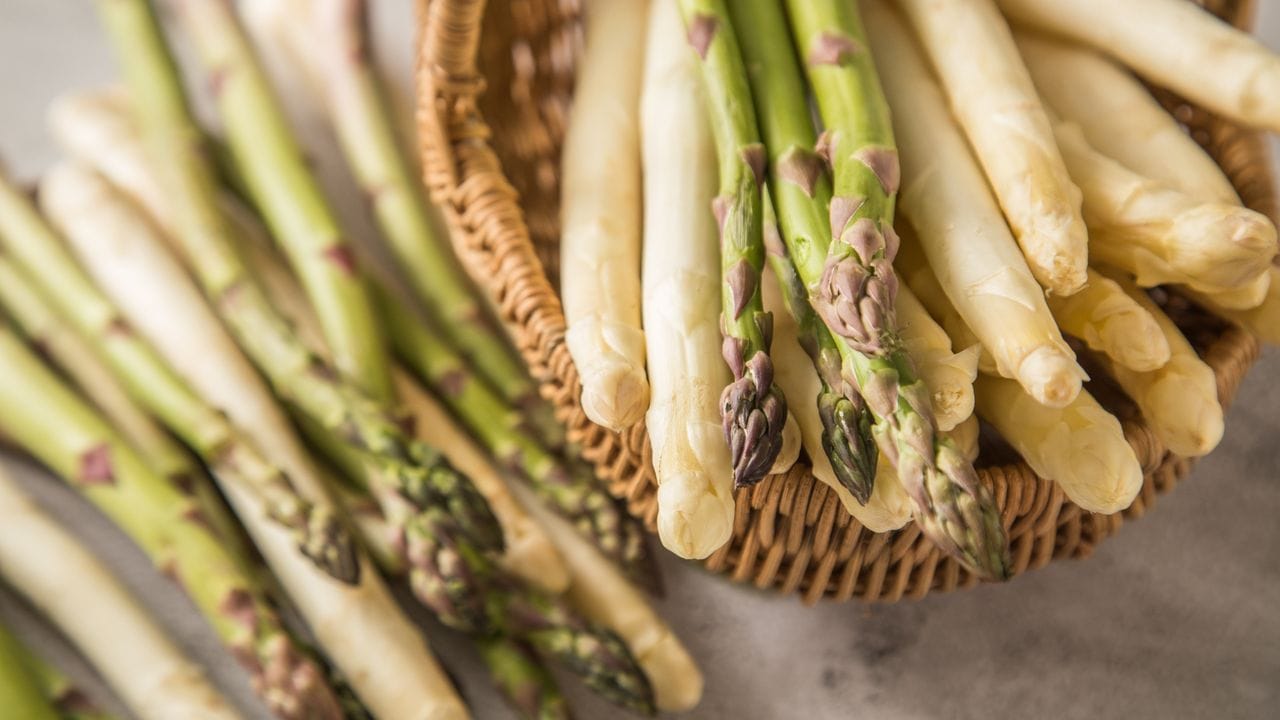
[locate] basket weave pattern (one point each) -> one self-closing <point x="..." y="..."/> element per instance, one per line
<point x="494" y="92"/>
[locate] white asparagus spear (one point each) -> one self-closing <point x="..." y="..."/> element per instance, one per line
<point x="60" y="577"/>
<point x="1262" y="320"/>
<point x="1243" y="298"/>
<point x="1120" y="118"/>
<point x="1175" y="43"/>
<point x="604" y="595"/>
<point x="888" y="508"/>
<point x="996" y="104"/>
<point x="948" y="375"/>
<point x="1112" y="323"/>
<point x="1179" y="401"/>
<point x="682" y="296"/>
<point x="600" y="212"/>
<point x="359" y="626"/>
<point x="1161" y="235"/>
<point x="945" y="196"/>
<point x="1081" y="446"/>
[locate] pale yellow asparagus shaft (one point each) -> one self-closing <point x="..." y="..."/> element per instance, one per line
<point x="948" y="375"/>
<point x="995" y="102"/>
<point x="945" y="197"/>
<point x="1112" y="323"/>
<point x="600" y="211"/>
<point x="1080" y="446"/>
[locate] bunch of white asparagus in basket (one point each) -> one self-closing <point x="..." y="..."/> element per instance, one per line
<point x="184" y="327"/>
<point x="953" y="198"/>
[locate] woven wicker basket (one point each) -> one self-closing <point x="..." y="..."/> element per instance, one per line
<point x="494" y="92"/>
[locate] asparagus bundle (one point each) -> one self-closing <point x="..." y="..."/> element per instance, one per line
<point x="494" y="601"/>
<point x="413" y="479"/>
<point x="330" y="42"/>
<point x="1175" y="44"/>
<point x="752" y="408"/>
<point x="20" y="691"/>
<point x="1161" y="235"/>
<point x="994" y="101"/>
<point x="600" y="216"/>
<point x="962" y="231"/>
<point x="56" y="573"/>
<point x="952" y="507"/>
<point x="681" y="284"/>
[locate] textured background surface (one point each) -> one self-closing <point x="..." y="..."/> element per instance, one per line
<point x="1175" y="617"/>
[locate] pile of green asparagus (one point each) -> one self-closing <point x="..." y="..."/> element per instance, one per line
<point x="195" y="344"/>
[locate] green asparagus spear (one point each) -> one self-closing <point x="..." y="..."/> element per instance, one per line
<point x="33" y="244"/>
<point x="331" y="42"/>
<point x="21" y="691"/>
<point x="415" y="475"/>
<point x="46" y="418"/>
<point x="846" y="420"/>
<point x="753" y="408"/>
<point x="953" y="508"/>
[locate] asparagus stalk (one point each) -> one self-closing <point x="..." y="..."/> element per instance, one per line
<point x="1160" y="234"/>
<point x="570" y="488"/>
<point x="994" y="101"/>
<point x="1262" y="320"/>
<point x="1178" y="45"/>
<point x="846" y="421"/>
<point x="20" y="691"/>
<point x="952" y="507"/>
<point x="753" y="410"/>
<point x="681" y="306"/>
<point x="1120" y="118"/>
<point x="600" y="216"/>
<point x="412" y="475"/>
<point x="1112" y="323"/>
<point x="268" y="158"/>
<point x="527" y="686"/>
<point x="1081" y="446"/>
<point x="81" y="202"/>
<point x="53" y="424"/>
<point x="330" y="41"/>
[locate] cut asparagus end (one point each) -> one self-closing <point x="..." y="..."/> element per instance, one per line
<point x="1051" y="376"/>
<point x="848" y="443"/>
<point x="694" y="520"/>
<point x="754" y="412"/>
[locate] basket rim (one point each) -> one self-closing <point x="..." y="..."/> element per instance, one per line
<point x="790" y="530"/>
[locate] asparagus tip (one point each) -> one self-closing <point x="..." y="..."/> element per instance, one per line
<point x="754" y="413"/>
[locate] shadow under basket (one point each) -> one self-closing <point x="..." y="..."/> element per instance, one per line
<point x="494" y="90"/>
